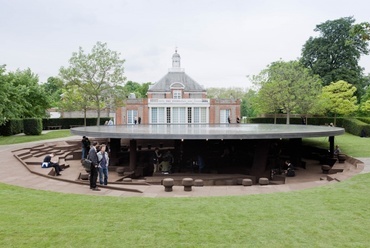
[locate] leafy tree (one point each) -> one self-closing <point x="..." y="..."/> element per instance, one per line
<point x="335" y="54"/>
<point x="339" y="98"/>
<point x="287" y="87"/>
<point x="248" y="104"/>
<point x="53" y="87"/>
<point x="73" y="98"/>
<point x="97" y="73"/>
<point x="226" y="93"/>
<point x="21" y="95"/>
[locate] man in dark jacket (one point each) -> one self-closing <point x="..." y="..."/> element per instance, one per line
<point x="93" y="157"/>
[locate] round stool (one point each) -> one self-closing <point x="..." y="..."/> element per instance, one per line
<point x="120" y="171"/>
<point x="325" y="168"/>
<point x="263" y="181"/>
<point x="168" y="184"/>
<point x="127" y="180"/>
<point x="198" y="183"/>
<point x="84" y="176"/>
<point x="187" y="183"/>
<point x="247" y="182"/>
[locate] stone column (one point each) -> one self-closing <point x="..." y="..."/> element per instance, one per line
<point x="260" y="158"/>
<point x="331" y="146"/>
<point x="295" y="151"/>
<point x="115" y="148"/>
<point x="133" y="154"/>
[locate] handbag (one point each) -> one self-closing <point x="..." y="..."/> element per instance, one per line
<point x="87" y="163"/>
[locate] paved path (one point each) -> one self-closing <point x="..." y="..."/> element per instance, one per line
<point x="14" y="173"/>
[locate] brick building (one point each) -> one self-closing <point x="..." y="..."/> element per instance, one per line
<point x="177" y="98"/>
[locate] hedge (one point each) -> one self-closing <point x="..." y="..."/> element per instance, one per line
<point x="67" y="122"/>
<point x="32" y="126"/>
<point x="12" y="127"/>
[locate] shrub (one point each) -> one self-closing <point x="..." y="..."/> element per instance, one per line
<point x="32" y="126"/>
<point x="67" y="122"/>
<point x="12" y="127"/>
<point x="356" y="127"/>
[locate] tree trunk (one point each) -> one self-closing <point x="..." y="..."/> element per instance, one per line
<point x="85" y="110"/>
<point x="288" y="117"/>
<point x="98" y="110"/>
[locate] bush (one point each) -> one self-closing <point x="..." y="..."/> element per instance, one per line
<point x="67" y="122"/>
<point x="356" y="127"/>
<point x="12" y="127"/>
<point x="32" y="126"/>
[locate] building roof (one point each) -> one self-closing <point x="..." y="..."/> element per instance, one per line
<point x="176" y="75"/>
<point x="172" y="77"/>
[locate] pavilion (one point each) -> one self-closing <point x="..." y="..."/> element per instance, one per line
<point x="258" y="140"/>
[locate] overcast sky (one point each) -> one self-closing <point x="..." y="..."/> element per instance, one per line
<point x="220" y="42"/>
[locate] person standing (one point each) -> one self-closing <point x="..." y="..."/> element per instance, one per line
<point x="93" y="157"/>
<point x="156" y="157"/>
<point x="85" y="143"/>
<point x="103" y="165"/>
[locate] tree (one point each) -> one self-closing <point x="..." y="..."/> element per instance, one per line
<point x="53" y="87"/>
<point x="247" y="107"/>
<point x="335" y="54"/>
<point x="226" y="93"/>
<point x="287" y="87"/>
<point x="97" y="73"/>
<point x="73" y="99"/>
<point x="21" y="95"/>
<point x="339" y="98"/>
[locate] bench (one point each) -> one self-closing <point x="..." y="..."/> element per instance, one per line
<point x="72" y="126"/>
<point x="54" y="127"/>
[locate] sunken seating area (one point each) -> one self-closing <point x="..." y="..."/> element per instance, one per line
<point x="32" y="157"/>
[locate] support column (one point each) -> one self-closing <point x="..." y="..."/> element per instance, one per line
<point x="133" y="154"/>
<point x="295" y="152"/>
<point x="115" y="148"/>
<point x="260" y="158"/>
<point x="331" y="146"/>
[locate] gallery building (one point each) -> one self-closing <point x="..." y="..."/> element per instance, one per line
<point x="177" y="99"/>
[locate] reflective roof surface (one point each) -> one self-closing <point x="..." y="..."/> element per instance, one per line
<point x="207" y="131"/>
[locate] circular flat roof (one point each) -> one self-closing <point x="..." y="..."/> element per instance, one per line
<point x="207" y="131"/>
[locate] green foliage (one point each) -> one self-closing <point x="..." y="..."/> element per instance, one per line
<point x="11" y="127"/>
<point x="15" y="139"/>
<point x="339" y="98"/>
<point x="335" y="54"/>
<point x="226" y="93"/>
<point x="20" y="95"/>
<point x="364" y="119"/>
<point x="53" y="89"/>
<point x="247" y="107"/>
<point x="140" y="90"/>
<point x="318" y="121"/>
<point x="67" y="122"/>
<point x="32" y="126"/>
<point x="97" y="75"/>
<point x="287" y="87"/>
<point x="335" y="215"/>
<point x="356" y="126"/>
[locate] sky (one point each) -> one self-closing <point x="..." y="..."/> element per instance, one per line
<point x="220" y="42"/>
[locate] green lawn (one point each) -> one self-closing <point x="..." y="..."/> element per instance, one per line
<point x="15" y="139"/>
<point x="331" y="216"/>
<point x="336" y="215"/>
<point x="349" y="144"/>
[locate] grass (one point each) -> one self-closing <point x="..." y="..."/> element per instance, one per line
<point x="348" y="143"/>
<point x="15" y="139"/>
<point x="336" y="215"/>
